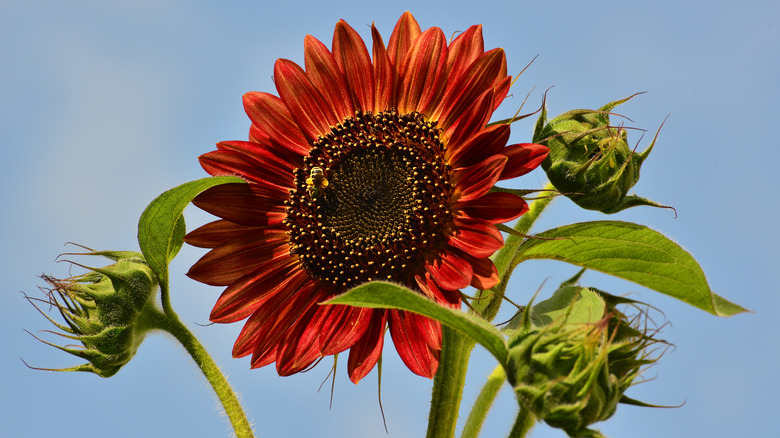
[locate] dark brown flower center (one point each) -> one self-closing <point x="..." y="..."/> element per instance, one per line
<point x="382" y="205"/>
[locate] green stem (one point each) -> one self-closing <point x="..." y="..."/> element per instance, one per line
<point x="523" y="423"/>
<point x="448" y="384"/>
<point x="483" y="403"/>
<point x="170" y="323"/>
<point x="504" y="256"/>
<point x="456" y="348"/>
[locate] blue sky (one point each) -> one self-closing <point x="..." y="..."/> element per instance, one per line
<point x="104" y="105"/>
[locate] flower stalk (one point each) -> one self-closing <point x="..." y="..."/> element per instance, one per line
<point x="169" y="322"/>
<point x="456" y="348"/>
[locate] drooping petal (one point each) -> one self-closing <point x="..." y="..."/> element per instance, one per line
<point x="475" y="181"/>
<point x="442" y="296"/>
<point x="307" y="107"/>
<point x="324" y="73"/>
<point x="342" y="327"/>
<point x="523" y="158"/>
<point x="351" y="55"/>
<point x="494" y="207"/>
<point x="485" y="272"/>
<point x="268" y="324"/>
<point x="248" y="293"/>
<point x="273" y="322"/>
<point x="367" y="350"/>
<point x="299" y="349"/>
<point x="450" y="271"/>
<point x="410" y="337"/>
<point x="476" y="237"/>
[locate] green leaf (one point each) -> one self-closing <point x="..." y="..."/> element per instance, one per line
<point x="392" y="296"/>
<point x="632" y="252"/>
<point x="161" y="228"/>
<point x="578" y="305"/>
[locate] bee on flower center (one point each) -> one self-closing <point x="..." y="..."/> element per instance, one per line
<point x="316" y="182"/>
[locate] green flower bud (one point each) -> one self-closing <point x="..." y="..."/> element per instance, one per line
<point x="590" y="161"/>
<point x="572" y="374"/>
<point x="104" y="310"/>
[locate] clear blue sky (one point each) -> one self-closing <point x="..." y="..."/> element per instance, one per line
<point x="104" y="105"/>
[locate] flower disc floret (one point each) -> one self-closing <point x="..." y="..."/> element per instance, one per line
<point x="387" y="205"/>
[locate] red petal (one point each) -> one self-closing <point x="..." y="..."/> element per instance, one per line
<point x="501" y="89"/>
<point x="450" y="271"/>
<point x="405" y="32"/>
<point x="476" y="237"/>
<point x="432" y="291"/>
<point x="236" y="163"/>
<point x="475" y="81"/>
<point x="307" y="107"/>
<point x="367" y="350"/>
<point x="215" y="233"/>
<point x="343" y="327"/>
<point x="267" y="154"/>
<point x="523" y="158"/>
<point x="409" y="336"/>
<point x="475" y="181"/>
<point x="245" y="204"/>
<point x="244" y="296"/>
<point x="488" y="142"/>
<point x="324" y="74"/>
<point x="485" y="273"/>
<point x="424" y="76"/>
<point x="471" y="121"/>
<point x="232" y="260"/>
<point x="385" y="76"/>
<point x="273" y="322"/>
<point x="494" y="207"/>
<point x="270" y="116"/>
<point x="463" y="50"/>
<point x="351" y="55"/>
<point x="299" y="348"/>
<point x="268" y="324"/>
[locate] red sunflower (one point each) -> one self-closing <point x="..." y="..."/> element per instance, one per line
<point x="364" y="168"/>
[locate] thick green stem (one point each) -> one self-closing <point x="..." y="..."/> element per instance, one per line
<point x="448" y="384"/>
<point x="483" y="403"/>
<point x="523" y="423"/>
<point x="170" y="323"/>
<point x="456" y="348"/>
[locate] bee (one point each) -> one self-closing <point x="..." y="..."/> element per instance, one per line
<point x="316" y="182"/>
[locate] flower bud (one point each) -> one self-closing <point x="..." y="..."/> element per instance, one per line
<point x="572" y="374"/>
<point x="590" y="161"/>
<point x="103" y="309"/>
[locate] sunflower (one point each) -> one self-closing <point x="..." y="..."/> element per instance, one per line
<point x="363" y="168"/>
